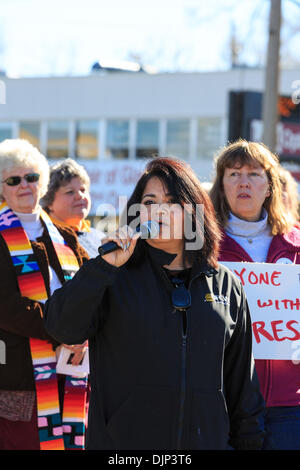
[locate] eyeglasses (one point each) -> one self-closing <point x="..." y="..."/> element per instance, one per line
<point x="15" y="180"/>
<point x="181" y="298"/>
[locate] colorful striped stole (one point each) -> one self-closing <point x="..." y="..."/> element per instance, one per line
<point x="55" y="432"/>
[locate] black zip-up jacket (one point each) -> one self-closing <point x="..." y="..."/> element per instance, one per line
<point x="155" y="385"/>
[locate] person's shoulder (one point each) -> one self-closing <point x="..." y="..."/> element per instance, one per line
<point x="68" y="234"/>
<point x="224" y="270"/>
<point x="228" y="276"/>
<point x="229" y="289"/>
<point x="226" y="241"/>
<point x="71" y="239"/>
<point x="293" y="237"/>
<point x="65" y="230"/>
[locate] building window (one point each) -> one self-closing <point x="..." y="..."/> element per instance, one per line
<point x="86" y="140"/>
<point x="30" y="131"/>
<point x="147" y="139"/>
<point x="58" y="139"/>
<point x="117" y="139"/>
<point x="6" y="131"/>
<point x="178" y="138"/>
<point x="209" y="136"/>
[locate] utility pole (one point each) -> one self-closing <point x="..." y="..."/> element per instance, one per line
<point x="270" y="98"/>
<point x="235" y="47"/>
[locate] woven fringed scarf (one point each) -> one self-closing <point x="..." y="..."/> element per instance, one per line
<point x="55" y="432"/>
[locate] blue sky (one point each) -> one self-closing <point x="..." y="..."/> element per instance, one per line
<point x="65" y="37"/>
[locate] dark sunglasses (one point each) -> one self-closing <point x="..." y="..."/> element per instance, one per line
<point x="15" y="180"/>
<point x="181" y="298"/>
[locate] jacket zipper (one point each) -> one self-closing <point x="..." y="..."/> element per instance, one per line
<point x="183" y="372"/>
<point x="183" y="380"/>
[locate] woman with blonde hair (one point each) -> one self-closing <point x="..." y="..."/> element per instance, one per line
<point x="247" y="196"/>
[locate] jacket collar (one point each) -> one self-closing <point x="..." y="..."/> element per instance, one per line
<point x="83" y="226"/>
<point x="162" y="258"/>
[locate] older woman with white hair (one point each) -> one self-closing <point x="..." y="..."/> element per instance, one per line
<point x="36" y="257"/>
<point x="68" y="201"/>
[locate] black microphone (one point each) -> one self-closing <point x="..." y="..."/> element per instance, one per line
<point x="149" y="229"/>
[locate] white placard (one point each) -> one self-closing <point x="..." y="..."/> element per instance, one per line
<point x="62" y="366"/>
<point x="273" y="294"/>
<point x="111" y="180"/>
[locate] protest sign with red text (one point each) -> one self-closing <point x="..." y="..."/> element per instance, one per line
<point x="273" y="294"/>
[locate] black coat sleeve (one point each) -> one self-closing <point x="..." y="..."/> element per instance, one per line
<point x="73" y="313"/>
<point x="244" y="400"/>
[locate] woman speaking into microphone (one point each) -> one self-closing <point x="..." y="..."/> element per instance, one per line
<point x="169" y="329"/>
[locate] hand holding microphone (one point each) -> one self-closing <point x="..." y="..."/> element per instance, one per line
<point x="119" y="246"/>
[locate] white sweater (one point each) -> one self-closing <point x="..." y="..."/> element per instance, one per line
<point x="254" y="237"/>
<point x="91" y="241"/>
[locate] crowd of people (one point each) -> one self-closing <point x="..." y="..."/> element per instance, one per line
<point x="169" y="368"/>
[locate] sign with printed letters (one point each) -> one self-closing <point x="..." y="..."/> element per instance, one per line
<point x="111" y="179"/>
<point x="273" y="294"/>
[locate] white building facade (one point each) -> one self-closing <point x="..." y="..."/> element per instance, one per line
<point x="112" y="122"/>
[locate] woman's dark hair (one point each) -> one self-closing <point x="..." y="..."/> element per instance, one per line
<point x="185" y="188"/>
